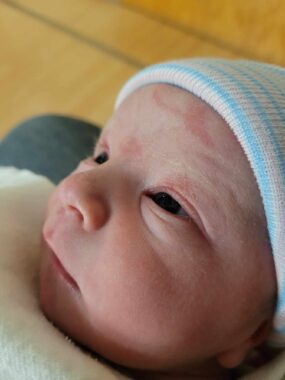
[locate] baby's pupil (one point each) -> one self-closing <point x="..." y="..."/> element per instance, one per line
<point x="166" y="202"/>
<point x="103" y="157"/>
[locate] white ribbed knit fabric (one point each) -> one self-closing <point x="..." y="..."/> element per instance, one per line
<point x="250" y="96"/>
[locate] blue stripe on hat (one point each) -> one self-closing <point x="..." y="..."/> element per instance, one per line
<point x="264" y="118"/>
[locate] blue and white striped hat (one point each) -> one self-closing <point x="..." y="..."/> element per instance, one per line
<point x="250" y="96"/>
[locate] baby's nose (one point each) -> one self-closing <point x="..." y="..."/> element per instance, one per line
<point x="80" y="195"/>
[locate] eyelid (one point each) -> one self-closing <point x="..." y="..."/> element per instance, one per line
<point x="177" y="197"/>
<point x="185" y="217"/>
<point x="184" y="203"/>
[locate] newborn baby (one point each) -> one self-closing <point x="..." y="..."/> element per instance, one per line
<point x="159" y="251"/>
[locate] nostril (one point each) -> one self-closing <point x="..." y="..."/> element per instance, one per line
<point x="74" y="211"/>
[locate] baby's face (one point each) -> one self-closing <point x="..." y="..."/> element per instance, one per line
<point x="162" y="237"/>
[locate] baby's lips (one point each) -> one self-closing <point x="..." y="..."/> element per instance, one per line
<point x="56" y="261"/>
<point x="62" y="270"/>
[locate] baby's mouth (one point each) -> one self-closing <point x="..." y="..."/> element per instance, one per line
<point x="63" y="272"/>
<point x="58" y="266"/>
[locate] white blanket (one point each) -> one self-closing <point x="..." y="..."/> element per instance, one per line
<point x="31" y="348"/>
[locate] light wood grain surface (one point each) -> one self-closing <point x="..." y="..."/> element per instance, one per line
<point x="43" y="69"/>
<point x="127" y="33"/>
<point x="254" y="28"/>
<point x="71" y="57"/>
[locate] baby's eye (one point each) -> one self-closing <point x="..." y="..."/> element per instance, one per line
<point x="101" y="158"/>
<point x="168" y="203"/>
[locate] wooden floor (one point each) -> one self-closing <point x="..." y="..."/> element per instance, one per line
<point x="72" y="56"/>
<point x="254" y="28"/>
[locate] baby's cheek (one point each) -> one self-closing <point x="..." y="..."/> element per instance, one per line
<point x="126" y="297"/>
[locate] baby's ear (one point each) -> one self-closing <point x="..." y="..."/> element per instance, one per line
<point x="236" y="355"/>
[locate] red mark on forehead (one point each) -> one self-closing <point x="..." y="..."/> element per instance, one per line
<point x="162" y="104"/>
<point x="194" y="123"/>
<point x="131" y="147"/>
<point x="193" y="118"/>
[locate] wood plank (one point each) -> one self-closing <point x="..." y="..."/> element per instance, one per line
<point x="44" y="70"/>
<point x="130" y="33"/>
<point x="255" y="27"/>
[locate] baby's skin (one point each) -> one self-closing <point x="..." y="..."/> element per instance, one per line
<point x="156" y="253"/>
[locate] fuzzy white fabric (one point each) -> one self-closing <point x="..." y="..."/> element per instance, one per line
<point x="31" y="348"/>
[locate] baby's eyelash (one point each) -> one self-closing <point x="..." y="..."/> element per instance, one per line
<point x="169" y="204"/>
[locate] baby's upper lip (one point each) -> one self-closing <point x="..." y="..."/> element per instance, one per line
<point x="57" y="262"/>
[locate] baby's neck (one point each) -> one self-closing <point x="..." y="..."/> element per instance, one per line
<point x="159" y="376"/>
<point x="208" y="372"/>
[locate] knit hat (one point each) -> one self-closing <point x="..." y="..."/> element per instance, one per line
<point x="250" y="96"/>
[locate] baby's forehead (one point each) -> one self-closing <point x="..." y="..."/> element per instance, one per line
<point x="159" y="113"/>
<point x="172" y="130"/>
